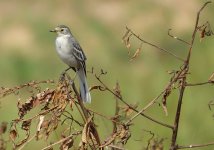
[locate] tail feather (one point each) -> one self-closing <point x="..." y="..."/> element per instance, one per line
<point x="84" y="92"/>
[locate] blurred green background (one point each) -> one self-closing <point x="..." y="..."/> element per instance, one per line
<point x="28" y="53"/>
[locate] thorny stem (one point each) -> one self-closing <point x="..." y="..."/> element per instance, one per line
<point x="183" y="82"/>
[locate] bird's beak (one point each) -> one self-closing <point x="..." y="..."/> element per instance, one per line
<point x="52" y="30"/>
<point x="55" y="30"/>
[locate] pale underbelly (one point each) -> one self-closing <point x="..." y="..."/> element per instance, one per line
<point x="68" y="59"/>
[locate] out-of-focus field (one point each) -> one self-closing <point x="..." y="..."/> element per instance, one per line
<point x="27" y="52"/>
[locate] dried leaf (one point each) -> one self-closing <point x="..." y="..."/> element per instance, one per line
<point x="202" y="34"/>
<point x="128" y="44"/>
<point x="13" y="135"/>
<point x="117" y="91"/>
<point x="128" y="111"/>
<point x="109" y="140"/>
<point x="85" y="131"/>
<point x="26" y="125"/>
<point x="41" y="120"/>
<point x="157" y="144"/>
<point x="136" y="54"/>
<point x="68" y="143"/>
<point x="3" y="127"/>
<point x="164" y="101"/>
<point x="34" y="101"/>
<point x="211" y="79"/>
<point x="97" y="87"/>
<point x="125" y="35"/>
<point x="124" y="134"/>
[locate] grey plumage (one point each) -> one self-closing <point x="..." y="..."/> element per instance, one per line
<point x="72" y="54"/>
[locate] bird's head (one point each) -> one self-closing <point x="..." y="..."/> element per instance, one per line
<point x="61" y="30"/>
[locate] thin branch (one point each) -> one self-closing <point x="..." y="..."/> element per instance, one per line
<point x="142" y="114"/>
<point x="183" y="82"/>
<point x="41" y="113"/>
<point x="62" y="140"/>
<point x="153" y="45"/>
<point x="147" y="106"/>
<point x="197" y="84"/>
<point x="116" y="147"/>
<point x="29" y="140"/>
<point x="195" y="145"/>
<point x="99" y="114"/>
<point x="196" y="28"/>
<point x="174" y="80"/>
<point x="177" y="38"/>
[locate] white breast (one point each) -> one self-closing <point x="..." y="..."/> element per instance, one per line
<point x="64" y="48"/>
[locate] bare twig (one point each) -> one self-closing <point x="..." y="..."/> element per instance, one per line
<point x="116" y="147"/>
<point x="183" y="82"/>
<point x="197" y="84"/>
<point x="177" y="38"/>
<point x="147" y="106"/>
<point x="62" y="140"/>
<point x="153" y="45"/>
<point x="195" y="145"/>
<point x="29" y="140"/>
<point x="142" y="114"/>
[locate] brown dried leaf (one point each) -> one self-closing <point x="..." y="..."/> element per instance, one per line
<point x="202" y="34"/>
<point x="125" y="35"/>
<point x="13" y="134"/>
<point x="117" y="90"/>
<point x="211" y="79"/>
<point x="68" y="143"/>
<point x="128" y="111"/>
<point x="85" y="131"/>
<point x="3" y="127"/>
<point x="97" y="87"/>
<point x="43" y="129"/>
<point x="124" y="134"/>
<point x="136" y="54"/>
<point x="34" y="101"/>
<point x="26" y="125"/>
<point x="128" y="44"/>
<point x="157" y="144"/>
<point x="164" y="101"/>
<point x="109" y="140"/>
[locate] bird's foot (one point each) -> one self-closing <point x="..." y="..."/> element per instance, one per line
<point x="62" y="76"/>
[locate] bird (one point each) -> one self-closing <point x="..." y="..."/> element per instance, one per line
<point x="71" y="53"/>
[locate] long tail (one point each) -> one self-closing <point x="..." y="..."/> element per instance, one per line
<point x="84" y="92"/>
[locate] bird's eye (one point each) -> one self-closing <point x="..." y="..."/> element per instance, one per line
<point x="62" y="29"/>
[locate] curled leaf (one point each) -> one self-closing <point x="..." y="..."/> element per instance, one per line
<point x="86" y="130"/>
<point x="136" y="54"/>
<point x="125" y="35"/>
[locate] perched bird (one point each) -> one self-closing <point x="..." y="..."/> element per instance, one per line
<point x="72" y="54"/>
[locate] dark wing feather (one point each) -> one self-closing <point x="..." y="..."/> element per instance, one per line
<point x="79" y="54"/>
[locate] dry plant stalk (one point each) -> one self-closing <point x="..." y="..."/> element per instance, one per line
<point x="54" y="107"/>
